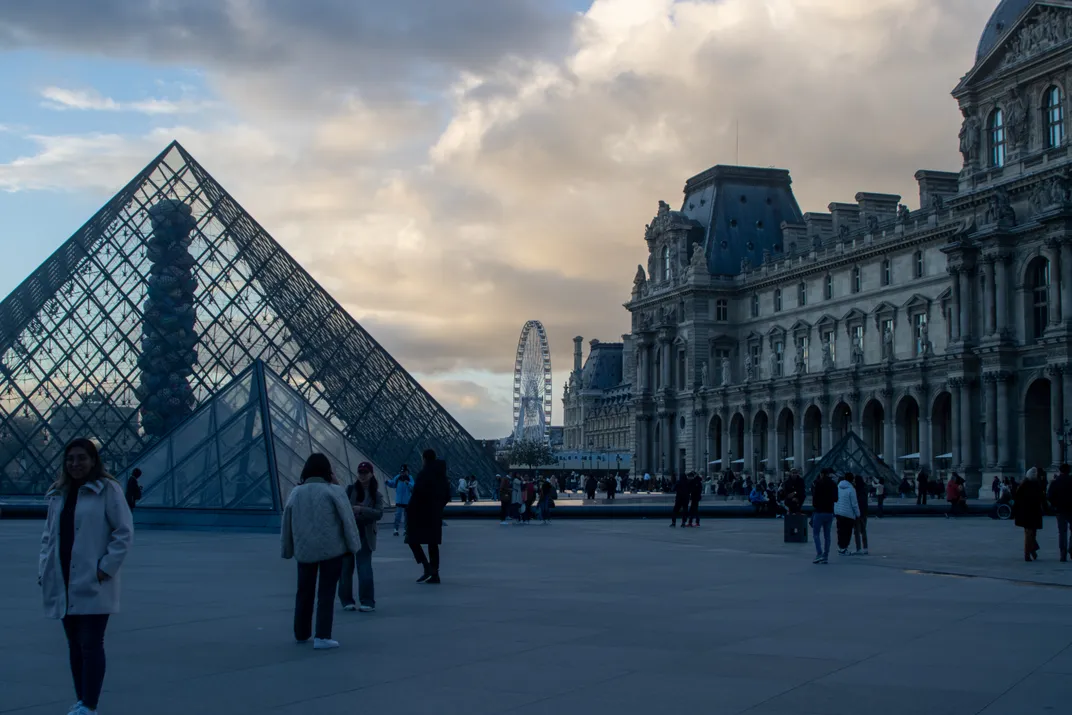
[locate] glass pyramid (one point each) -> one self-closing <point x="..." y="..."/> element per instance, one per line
<point x="850" y="454"/>
<point x="243" y="449"/>
<point x="167" y="294"/>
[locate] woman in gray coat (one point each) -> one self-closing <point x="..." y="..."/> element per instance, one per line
<point x="87" y="535"/>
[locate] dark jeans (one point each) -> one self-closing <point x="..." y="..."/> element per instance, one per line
<point x="366" y="586"/>
<point x="324" y="598"/>
<point x="694" y="511"/>
<point x="681" y="506"/>
<point x="820" y="524"/>
<point x="431" y="562"/>
<point x="881" y="499"/>
<point x="1064" y="526"/>
<point x="85" y="641"/>
<point x="504" y="509"/>
<point x="860" y="531"/>
<point x="921" y="498"/>
<point x="844" y="531"/>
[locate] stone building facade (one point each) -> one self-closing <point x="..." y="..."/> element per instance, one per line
<point x="941" y="335"/>
<point x="598" y="403"/>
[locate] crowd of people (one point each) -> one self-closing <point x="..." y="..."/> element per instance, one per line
<point x="331" y="532"/>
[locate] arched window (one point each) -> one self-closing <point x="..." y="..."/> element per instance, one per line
<point x="886" y="272"/>
<point x="802" y="293"/>
<point x="997" y="138"/>
<point x="667" y="271"/>
<point x="856" y="279"/>
<point x="1040" y="297"/>
<point x="777" y="299"/>
<point x="828" y="288"/>
<point x="917" y="261"/>
<point x="1055" y="117"/>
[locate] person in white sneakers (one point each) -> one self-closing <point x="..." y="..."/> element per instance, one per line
<point x="846" y="511"/>
<point x="318" y="530"/>
<point x="367" y="501"/>
<point x="87" y="535"/>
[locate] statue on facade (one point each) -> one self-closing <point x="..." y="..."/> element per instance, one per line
<point x="1039" y="199"/>
<point x="937" y="202"/>
<point x="999" y="208"/>
<point x="673" y="263"/>
<point x="828" y="355"/>
<point x="872" y="224"/>
<point x="969" y="138"/>
<point x="843" y="233"/>
<point x="699" y="258"/>
<point x="749" y="369"/>
<point x="651" y="265"/>
<point x="887" y="345"/>
<point x="1057" y="191"/>
<point x="924" y="340"/>
<point x="703" y="374"/>
<point x="726" y="377"/>
<point x="772" y="364"/>
<point x="1016" y="119"/>
<point x="801" y="361"/>
<point x="857" y="355"/>
<point x="639" y="280"/>
<point x="904" y="214"/>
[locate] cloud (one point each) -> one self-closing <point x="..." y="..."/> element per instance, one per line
<point x="516" y="183"/>
<point x="62" y="99"/>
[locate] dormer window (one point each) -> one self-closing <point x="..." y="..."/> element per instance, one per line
<point x="996" y="128"/>
<point x="1055" y="117"/>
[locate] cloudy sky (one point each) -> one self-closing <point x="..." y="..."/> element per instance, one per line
<point x="449" y="169"/>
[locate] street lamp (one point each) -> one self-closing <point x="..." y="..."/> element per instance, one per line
<point x="1064" y="438"/>
<point x="785" y="458"/>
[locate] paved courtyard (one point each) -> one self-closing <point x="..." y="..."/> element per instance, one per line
<point x="587" y="617"/>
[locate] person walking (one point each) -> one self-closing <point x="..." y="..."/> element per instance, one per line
<point x="87" y="536"/>
<point x="695" y="494"/>
<point x="922" y="486"/>
<point x="516" y="497"/>
<point x="504" y="499"/>
<point x="548" y="493"/>
<point x="133" y="490"/>
<point x="995" y="486"/>
<point x="846" y="511"/>
<point x="367" y="503"/>
<point x="952" y="494"/>
<point x="463" y="490"/>
<point x="612" y="488"/>
<point x="402" y="483"/>
<point x="590" y="487"/>
<point x="318" y="531"/>
<point x="431" y="493"/>
<point x="1060" y="496"/>
<point x="859" y="529"/>
<point x="824" y="494"/>
<point x="1027" y="510"/>
<point x="682" y="492"/>
<point x="880" y="495"/>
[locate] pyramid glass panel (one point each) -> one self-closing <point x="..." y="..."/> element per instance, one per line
<point x="850" y="454"/>
<point x="166" y="295"/>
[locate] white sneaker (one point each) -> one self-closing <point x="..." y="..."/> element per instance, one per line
<point x="349" y="607"/>
<point x="396" y="532"/>
<point x="75" y="709"/>
<point x="324" y="644"/>
<point x="864" y="552"/>
<point x="366" y="609"/>
<point x="83" y="710"/>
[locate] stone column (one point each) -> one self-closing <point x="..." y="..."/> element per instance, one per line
<point x="798" y="447"/>
<point x="988" y="304"/>
<point x="991" y="382"/>
<point x="667" y="356"/>
<point x="725" y="455"/>
<point x="889" y="422"/>
<point x="966" y="457"/>
<point x="1056" y="407"/>
<point x="956" y="323"/>
<point x="643" y="366"/>
<point x="925" y="456"/>
<point x="1056" y="272"/>
<point x="827" y="428"/>
<point x="1004" y="435"/>
<point x="1066" y="280"/>
<point x="749" y="443"/>
<point x="1001" y="290"/>
<point x="956" y="389"/>
<point x="965" y="305"/>
<point x="772" y="441"/>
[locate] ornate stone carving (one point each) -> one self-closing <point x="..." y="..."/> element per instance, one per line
<point x="801" y="364"/>
<point x="1055" y="371"/>
<point x="699" y="258"/>
<point x="772" y="365"/>
<point x="1057" y="190"/>
<point x="969" y="138"/>
<point x="703" y="374"/>
<point x="828" y="357"/>
<point x="956" y="383"/>
<point x="887" y="345"/>
<point x="726" y="377"/>
<point x="937" y="202"/>
<point x="886" y="393"/>
<point x="904" y="214"/>
<point x="1047" y="29"/>
<point x="639" y="279"/>
<point x="999" y="209"/>
<point x="749" y="369"/>
<point x="925" y="346"/>
<point x="857" y="353"/>
<point x="824" y="401"/>
<point x="1016" y="119"/>
<point x="843" y="233"/>
<point x="1040" y="196"/>
<point x="872" y="224"/>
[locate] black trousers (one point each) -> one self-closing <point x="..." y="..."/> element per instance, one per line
<point x="504" y="509"/>
<point x="681" y="506"/>
<point x="844" y="531"/>
<point x="431" y="562"/>
<point x="324" y="598"/>
<point x="921" y="498"/>
<point x="694" y="510"/>
<point x="85" y="641"/>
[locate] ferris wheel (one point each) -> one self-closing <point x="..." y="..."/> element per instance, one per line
<point x="532" y="384"/>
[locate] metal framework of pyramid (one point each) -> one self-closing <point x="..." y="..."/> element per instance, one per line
<point x="850" y="454"/>
<point x="71" y="339"/>
<point x="242" y="451"/>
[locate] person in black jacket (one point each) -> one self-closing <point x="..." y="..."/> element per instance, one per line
<point x="424" y="515"/>
<point x="695" y="492"/>
<point x="1027" y="511"/>
<point x="133" y="490"/>
<point x="795" y="492"/>
<point x="823" y="496"/>
<point x="1061" y="502"/>
<point x="922" y="485"/>
<point x="859" y="529"/>
<point x="681" y="502"/>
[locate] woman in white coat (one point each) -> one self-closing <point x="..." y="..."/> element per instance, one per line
<point x="87" y="535"/>
<point x="846" y="511"/>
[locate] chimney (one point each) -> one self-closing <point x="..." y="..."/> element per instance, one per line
<point x="577" y="342"/>
<point x="936" y="183"/>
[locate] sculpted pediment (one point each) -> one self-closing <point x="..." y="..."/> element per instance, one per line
<point x="1048" y="27"/>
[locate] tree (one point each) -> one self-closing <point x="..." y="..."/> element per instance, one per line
<point x="531" y="453"/>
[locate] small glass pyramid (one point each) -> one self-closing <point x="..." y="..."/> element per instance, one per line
<point x="242" y="450"/>
<point x="850" y="454"/>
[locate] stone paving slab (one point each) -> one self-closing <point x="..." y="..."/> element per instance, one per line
<point x="592" y="617"/>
